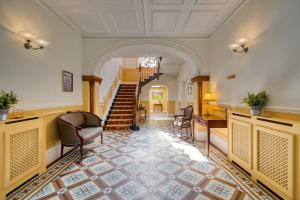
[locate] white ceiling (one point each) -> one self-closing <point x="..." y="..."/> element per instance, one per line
<point x="143" y="18"/>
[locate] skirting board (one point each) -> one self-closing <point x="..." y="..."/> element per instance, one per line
<point x="216" y="140"/>
<point x="53" y="153"/>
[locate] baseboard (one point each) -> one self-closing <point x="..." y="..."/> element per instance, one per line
<point x="216" y="140"/>
<point x="111" y="102"/>
<point x="53" y="153"/>
<point x="200" y="136"/>
<point x="220" y="143"/>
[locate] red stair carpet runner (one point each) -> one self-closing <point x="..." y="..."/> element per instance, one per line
<point x="121" y="112"/>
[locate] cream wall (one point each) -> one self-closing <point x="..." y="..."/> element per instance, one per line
<point x="166" y="80"/>
<point x="184" y="75"/>
<point x="36" y="76"/>
<point x="272" y="63"/>
<point x="108" y="72"/>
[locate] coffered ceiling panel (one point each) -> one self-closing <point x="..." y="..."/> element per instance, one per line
<point x="125" y="20"/>
<point x="165" y="21"/>
<point x="199" y="21"/>
<point x="146" y="18"/>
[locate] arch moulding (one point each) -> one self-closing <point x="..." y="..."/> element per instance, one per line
<point x="117" y="49"/>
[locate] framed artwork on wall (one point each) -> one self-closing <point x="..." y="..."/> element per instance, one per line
<point x="157" y="95"/>
<point x="190" y="89"/>
<point x="67" y="81"/>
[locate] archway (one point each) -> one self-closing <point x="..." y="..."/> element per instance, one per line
<point x="158" y="98"/>
<point x="124" y="48"/>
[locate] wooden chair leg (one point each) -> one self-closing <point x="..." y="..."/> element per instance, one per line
<point x="62" y="150"/>
<point x="81" y="151"/>
<point x="102" y="138"/>
<point x="180" y="131"/>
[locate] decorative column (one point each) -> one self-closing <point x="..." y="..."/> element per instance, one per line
<point x="90" y="88"/>
<point x="201" y="84"/>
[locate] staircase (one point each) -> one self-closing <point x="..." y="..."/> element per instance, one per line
<point x="150" y="78"/>
<point x="121" y="113"/>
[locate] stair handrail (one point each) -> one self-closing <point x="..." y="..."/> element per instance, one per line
<point x="136" y="100"/>
<point x="158" y="67"/>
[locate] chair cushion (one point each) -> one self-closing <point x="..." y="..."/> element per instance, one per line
<point x="90" y="133"/>
<point x="178" y="123"/>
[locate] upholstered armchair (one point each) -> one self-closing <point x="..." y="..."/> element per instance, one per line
<point x="184" y="120"/>
<point x="78" y="128"/>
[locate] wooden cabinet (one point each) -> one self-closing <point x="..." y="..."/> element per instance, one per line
<point x="22" y="152"/>
<point x="268" y="149"/>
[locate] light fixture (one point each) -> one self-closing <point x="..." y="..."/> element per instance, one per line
<point x="239" y="46"/>
<point x="149" y="62"/>
<point x="155" y="86"/>
<point x="208" y="97"/>
<point x="31" y="38"/>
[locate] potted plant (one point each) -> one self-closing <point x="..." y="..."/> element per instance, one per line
<point x="256" y="102"/>
<point x="7" y="100"/>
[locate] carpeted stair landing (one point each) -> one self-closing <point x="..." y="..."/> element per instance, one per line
<point x="121" y="112"/>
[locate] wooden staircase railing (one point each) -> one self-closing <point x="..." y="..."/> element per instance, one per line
<point x="144" y="74"/>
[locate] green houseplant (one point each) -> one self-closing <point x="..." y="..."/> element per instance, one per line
<point x="256" y="102"/>
<point x="7" y="100"/>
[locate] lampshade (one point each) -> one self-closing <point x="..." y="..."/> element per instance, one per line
<point x="242" y="41"/>
<point x="233" y="46"/>
<point x="208" y="97"/>
<point x="42" y="43"/>
<point x="27" y="35"/>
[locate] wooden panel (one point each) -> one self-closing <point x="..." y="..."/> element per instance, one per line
<point x="275" y="154"/>
<point x="171" y="107"/>
<point x="23" y="151"/>
<point x="274" y="159"/>
<point x="240" y="143"/>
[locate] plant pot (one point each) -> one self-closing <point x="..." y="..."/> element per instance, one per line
<point x="256" y="110"/>
<point x="4" y="114"/>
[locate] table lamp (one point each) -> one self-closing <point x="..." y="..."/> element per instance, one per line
<point x="208" y="97"/>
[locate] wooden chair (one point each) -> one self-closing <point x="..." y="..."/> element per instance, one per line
<point x="184" y="120"/>
<point x="78" y="128"/>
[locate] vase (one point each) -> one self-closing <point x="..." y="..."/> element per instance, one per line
<point x="4" y="114"/>
<point x="256" y="110"/>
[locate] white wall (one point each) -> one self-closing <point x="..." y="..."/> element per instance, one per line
<point x="166" y="80"/>
<point x="185" y="75"/>
<point x="108" y="72"/>
<point x="36" y="76"/>
<point x="273" y="61"/>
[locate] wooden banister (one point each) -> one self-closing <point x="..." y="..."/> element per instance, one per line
<point x="144" y="73"/>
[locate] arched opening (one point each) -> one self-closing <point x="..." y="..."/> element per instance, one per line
<point x="142" y="48"/>
<point x="158" y="98"/>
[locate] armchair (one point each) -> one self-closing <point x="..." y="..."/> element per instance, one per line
<point x="184" y="120"/>
<point x="78" y="128"/>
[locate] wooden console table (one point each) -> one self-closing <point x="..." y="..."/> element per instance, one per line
<point x="210" y="121"/>
<point x="156" y="105"/>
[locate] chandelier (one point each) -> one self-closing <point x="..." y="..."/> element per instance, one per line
<point x="148" y="62"/>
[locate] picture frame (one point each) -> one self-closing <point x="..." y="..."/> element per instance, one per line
<point x="67" y="81"/>
<point x="190" y="89"/>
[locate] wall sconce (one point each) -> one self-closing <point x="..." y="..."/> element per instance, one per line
<point x="239" y="46"/>
<point x="31" y="38"/>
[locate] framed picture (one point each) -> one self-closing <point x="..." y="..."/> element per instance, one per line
<point x="67" y="81"/>
<point x="190" y="89"/>
<point x="157" y="95"/>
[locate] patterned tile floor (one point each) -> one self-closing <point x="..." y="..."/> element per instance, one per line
<point x="150" y="164"/>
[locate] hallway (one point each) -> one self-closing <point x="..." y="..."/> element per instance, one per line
<point x="152" y="163"/>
